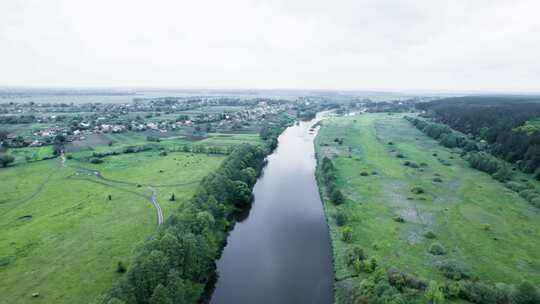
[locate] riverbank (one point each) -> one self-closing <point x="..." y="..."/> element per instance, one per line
<point x="178" y="261"/>
<point x="281" y="252"/>
<point x="416" y="221"/>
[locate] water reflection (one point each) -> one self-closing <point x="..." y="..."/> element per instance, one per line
<point x="281" y="252"/>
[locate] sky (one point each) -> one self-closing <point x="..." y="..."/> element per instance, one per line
<point x="403" y="45"/>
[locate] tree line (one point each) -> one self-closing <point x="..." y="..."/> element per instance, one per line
<point x="478" y="158"/>
<point x="497" y="120"/>
<point x="175" y="263"/>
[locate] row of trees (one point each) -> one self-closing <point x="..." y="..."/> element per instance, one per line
<point x="444" y="134"/>
<point x="496" y="120"/>
<point x="271" y="130"/>
<point x="176" y="263"/>
<point x="328" y="174"/>
<point x="479" y="160"/>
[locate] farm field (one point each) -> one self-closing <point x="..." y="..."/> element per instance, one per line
<point x="488" y="230"/>
<point x="62" y="238"/>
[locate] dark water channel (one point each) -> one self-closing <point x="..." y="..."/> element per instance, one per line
<point x="281" y="252"/>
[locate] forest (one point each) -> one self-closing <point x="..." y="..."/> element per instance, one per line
<point x="499" y="121"/>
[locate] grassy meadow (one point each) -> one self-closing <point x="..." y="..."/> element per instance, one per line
<point x="483" y="226"/>
<point x="60" y="235"/>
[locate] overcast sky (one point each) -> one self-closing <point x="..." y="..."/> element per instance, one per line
<point x="480" y="45"/>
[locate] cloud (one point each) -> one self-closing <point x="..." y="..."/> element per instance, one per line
<point x="364" y="44"/>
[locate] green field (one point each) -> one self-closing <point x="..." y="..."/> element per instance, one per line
<point x="484" y="226"/>
<point x="61" y="236"/>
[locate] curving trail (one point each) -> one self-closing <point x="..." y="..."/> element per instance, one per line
<point x="85" y="172"/>
<point x="154" y="201"/>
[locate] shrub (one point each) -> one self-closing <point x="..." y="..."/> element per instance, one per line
<point x="120" y="268"/>
<point x="95" y="160"/>
<point x="364" y="173"/>
<point x="417" y="190"/>
<point x="346" y="234"/>
<point x="528" y="194"/>
<point x="413" y="165"/>
<point x="515" y="186"/>
<point x="482" y="293"/>
<point x="434" y="293"/>
<point x="399" y="219"/>
<point x="337" y="197"/>
<point x="353" y="254"/>
<point x="402" y="280"/>
<point x="341" y="218"/>
<point x="5" y="160"/>
<point x="399" y="155"/>
<point x="536" y="202"/>
<point x="430" y="235"/>
<point x="525" y="293"/>
<point x="454" y="271"/>
<point x="437" y="180"/>
<point x="437" y="249"/>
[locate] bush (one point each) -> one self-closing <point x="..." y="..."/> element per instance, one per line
<point x="482" y="293"/>
<point x="95" y="160"/>
<point x="417" y="190"/>
<point x="437" y="180"/>
<point x="340" y="218"/>
<point x="430" y="235"/>
<point x="437" y="249"/>
<point x="528" y="194"/>
<point x="434" y="293"/>
<point x="454" y="271"/>
<point x="399" y="155"/>
<point x="354" y="254"/>
<point x="120" y="268"/>
<point x="525" y="293"/>
<point x="399" y="219"/>
<point x="5" y="160"/>
<point x="337" y="197"/>
<point x="413" y="165"/>
<point x="402" y="280"/>
<point x="346" y="234"/>
<point x="364" y="173"/>
<point x="536" y="202"/>
<point x="515" y="186"/>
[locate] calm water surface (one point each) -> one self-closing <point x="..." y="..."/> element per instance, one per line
<point x="281" y="253"/>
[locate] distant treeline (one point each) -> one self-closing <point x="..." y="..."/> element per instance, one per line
<point x="496" y="120"/>
<point x="480" y="160"/>
<point x="175" y="263"/>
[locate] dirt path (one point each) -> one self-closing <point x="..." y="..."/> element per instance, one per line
<point x="154" y="201"/>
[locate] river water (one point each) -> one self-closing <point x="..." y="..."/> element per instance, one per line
<point x="281" y="252"/>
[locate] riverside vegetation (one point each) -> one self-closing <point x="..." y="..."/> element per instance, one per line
<point x="73" y="222"/>
<point x="412" y="222"/>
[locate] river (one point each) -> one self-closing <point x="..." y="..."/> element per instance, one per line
<point x="281" y="252"/>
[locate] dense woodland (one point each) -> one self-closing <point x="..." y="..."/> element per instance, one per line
<point x="497" y="120"/>
<point x="177" y="262"/>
